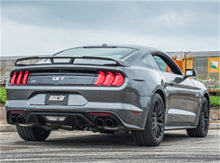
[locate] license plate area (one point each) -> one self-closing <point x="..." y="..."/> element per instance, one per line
<point x="56" y="99"/>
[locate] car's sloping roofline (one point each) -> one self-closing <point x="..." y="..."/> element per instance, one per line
<point x="138" y="47"/>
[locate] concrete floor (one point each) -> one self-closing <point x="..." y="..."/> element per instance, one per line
<point x="83" y="146"/>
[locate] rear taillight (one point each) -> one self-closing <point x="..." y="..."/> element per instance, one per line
<point x="119" y="80"/>
<point x="18" y="81"/>
<point x="25" y="78"/>
<point x="19" y="78"/>
<point x="101" y="78"/>
<point x="109" y="79"/>
<point x="12" y="81"/>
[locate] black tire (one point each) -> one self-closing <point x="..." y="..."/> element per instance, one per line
<point x="32" y="133"/>
<point x="153" y="133"/>
<point x="203" y="124"/>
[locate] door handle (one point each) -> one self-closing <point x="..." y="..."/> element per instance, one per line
<point x="169" y="83"/>
<point x="172" y="83"/>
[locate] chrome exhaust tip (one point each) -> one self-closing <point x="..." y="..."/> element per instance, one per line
<point x="20" y="120"/>
<point x="100" y="122"/>
<point x="110" y="123"/>
<point x="13" y="119"/>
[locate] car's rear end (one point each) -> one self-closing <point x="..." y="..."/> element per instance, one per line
<point x="64" y="92"/>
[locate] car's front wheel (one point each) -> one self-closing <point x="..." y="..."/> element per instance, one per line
<point x="153" y="133"/>
<point x="32" y="133"/>
<point x="203" y="124"/>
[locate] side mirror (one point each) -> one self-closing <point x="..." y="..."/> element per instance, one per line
<point x="190" y="73"/>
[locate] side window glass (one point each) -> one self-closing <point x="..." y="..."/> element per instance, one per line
<point x="149" y="61"/>
<point x="162" y="64"/>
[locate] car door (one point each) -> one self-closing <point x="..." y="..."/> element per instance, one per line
<point x="181" y="93"/>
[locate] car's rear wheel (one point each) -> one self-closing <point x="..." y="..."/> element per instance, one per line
<point x="32" y="133"/>
<point x="203" y="124"/>
<point x="153" y="133"/>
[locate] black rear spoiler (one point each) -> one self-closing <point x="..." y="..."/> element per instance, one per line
<point x="19" y="61"/>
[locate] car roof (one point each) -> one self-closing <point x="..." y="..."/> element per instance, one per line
<point x="138" y="47"/>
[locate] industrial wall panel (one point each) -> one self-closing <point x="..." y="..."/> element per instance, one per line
<point x="200" y="64"/>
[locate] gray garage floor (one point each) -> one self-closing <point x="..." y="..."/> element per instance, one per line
<point x="77" y="146"/>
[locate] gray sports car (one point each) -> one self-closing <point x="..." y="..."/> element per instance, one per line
<point x="106" y="89"/>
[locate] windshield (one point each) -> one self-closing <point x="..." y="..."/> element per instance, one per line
<point x="114" y="53"/>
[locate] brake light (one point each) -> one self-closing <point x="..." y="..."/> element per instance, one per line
<point x="19" y="78"/>
<point x="18" y="81"/>
<point x="12" y="81"/>
<point x="101" y="78"/>
<point x="119" y="80"/>
<point x="109" y="78"/>
<point x="24" y="80"/>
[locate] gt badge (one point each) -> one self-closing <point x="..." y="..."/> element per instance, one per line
<point x="56" y="78"/>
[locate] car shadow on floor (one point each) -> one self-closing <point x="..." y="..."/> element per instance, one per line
<point x="91" y="140"/>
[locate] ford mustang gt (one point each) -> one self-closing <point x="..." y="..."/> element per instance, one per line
<point x="106" y="89"/>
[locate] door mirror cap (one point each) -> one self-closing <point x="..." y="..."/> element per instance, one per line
<point x="190" y="73"/>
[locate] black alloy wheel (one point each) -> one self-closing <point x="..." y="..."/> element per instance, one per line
<point x="153" y="133"/>
<point x="203" y="124"/>
<point x="158" y="119"/>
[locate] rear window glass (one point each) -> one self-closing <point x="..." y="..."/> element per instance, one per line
<point x="160" y="63"/>
<point x="114" y="53"/>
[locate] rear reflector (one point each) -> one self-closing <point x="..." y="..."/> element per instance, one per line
<point x="136" y="112"/>
<point x="17" y="111"/>
<point x="19" y="78"/>
<point x="102" y="114"/>
<point x="109" y="79"/>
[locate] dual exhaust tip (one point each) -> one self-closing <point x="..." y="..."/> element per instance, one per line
<point x="17" y="119"/>
<point x="102" y="122"/>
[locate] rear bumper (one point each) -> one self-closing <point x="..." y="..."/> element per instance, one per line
<point x="123" y="102"/>
<point x="70" y="121"/>
<point x="126" y="114"/>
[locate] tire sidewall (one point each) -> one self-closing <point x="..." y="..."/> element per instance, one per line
<point x="148" y="126"/>
<point x="199" y="126"/>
